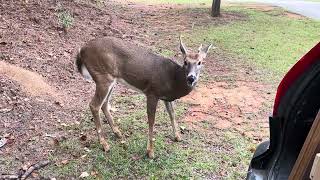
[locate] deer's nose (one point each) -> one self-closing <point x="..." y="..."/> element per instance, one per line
<point x="191" y="79"/>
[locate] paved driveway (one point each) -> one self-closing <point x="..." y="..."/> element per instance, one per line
<point x="306" y="8"/>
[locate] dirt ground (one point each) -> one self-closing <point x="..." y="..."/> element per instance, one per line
<point x="41" y="91"/>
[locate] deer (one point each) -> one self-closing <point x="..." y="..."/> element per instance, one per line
<point x="108" y="60"/>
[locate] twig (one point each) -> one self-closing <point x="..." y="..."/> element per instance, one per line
<point x="203" y="112"/>
<point x="34" y="167"/>
<point x="50" y="136"/>
<point x="5" y="177"/>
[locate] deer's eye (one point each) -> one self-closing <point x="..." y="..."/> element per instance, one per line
<point x="199" y="63"/>
<point x="185" y="63"/>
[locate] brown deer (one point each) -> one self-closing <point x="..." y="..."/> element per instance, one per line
<point x="107" y="60"/>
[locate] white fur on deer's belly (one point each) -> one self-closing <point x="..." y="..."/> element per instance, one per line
<point x="122" y="81"/>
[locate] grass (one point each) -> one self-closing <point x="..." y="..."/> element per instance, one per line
<point x="165" y="52"/>
<point x="268" y="40"/>
<point x="272" y="41"/>
<point x="65" y="19"/>
<point x="197" y="157"/>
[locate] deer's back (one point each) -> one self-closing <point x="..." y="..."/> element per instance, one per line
<point x="136" y="65"/>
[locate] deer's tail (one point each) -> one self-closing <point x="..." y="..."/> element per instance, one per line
<point x="81" y="67"/>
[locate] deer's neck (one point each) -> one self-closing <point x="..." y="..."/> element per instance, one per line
<point x="180" y="85"/>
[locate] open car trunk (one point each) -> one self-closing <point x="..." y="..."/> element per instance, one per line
<point x="296" y="106"/>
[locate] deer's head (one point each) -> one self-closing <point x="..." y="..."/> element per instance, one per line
<point x="193" y="62"/>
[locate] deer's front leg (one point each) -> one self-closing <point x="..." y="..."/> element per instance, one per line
<point x="152" y="102"/>
<point x="169" y="107"/>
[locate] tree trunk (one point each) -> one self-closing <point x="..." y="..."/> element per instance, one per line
<point x="215" y="10"/>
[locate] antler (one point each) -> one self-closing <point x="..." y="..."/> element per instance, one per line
<point x="182" y="46"/>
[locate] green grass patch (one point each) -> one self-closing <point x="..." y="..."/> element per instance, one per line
<point x="194" y="158"/>
<point x="236" y="163"/>
<point x="65" y="19"/>
<point x="166" y="52"/>
<point x="270" y="40"/>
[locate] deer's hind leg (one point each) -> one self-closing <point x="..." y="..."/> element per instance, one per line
<point x="106" y="110"/>
<point x="103" y="86"/>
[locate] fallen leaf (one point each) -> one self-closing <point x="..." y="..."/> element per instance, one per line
<point x="34" y="175"/>
<point x="135" y="157"/>
<point x="26" y="166"/>
<point x="94" y="173"/>
<point x="64" y="162"/>
<point x="252" y="149"/>
<point x="84" y="175"/>
<point x="56" y="142"/>
<point x="35" y="138"/>
<point x="64" y="124"/>
<point x="3" y="142"/>
<point x="83" y="137"/>
<point x="113" y="109"/>
<point x="57" y="139"/>
<point x="10" y="140"/>
<point x="50" y="135"/>
<point x="58" y="103"/>
<point x="182" y="128"/>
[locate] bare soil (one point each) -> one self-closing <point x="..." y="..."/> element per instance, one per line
<point x="41" y="91"/>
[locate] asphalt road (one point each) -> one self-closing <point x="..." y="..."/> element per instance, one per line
<point x="306" y="8"/>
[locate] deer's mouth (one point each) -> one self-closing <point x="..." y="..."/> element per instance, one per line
<point x="190" y="84"/>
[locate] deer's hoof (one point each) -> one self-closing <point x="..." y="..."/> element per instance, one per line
<point x="118" y="134"/>
<point x="105" y="146"/>
<point x="150" y="154"/>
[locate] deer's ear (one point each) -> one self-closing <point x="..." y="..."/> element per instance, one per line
<point x="183" y="48"/>
<point x="203" y="51"/>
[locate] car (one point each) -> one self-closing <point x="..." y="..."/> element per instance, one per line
<point x="296" y="105"/>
